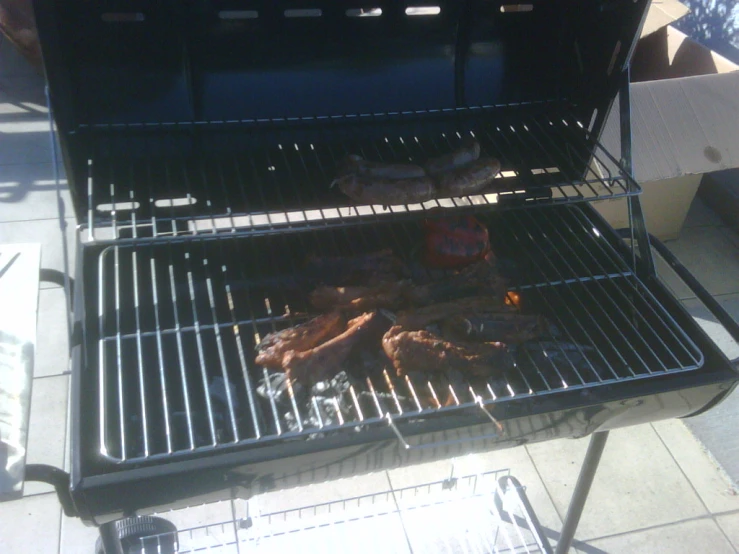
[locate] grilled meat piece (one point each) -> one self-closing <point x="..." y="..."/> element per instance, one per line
<point x="386" y="192"/>
<point x="325" y="361"/>
<point x="388" y="295"/>
<point x="468" y="152"/>
<point x="510" y="328"/>
<point x="480" y="278"/>
<point x="469" y="179"/>
<point x="423" y="351"/>
<point x="421" y="317"/>
<point x="363" y="269"/>
<point x="453" y="242"/>
<point x="300" y="337"/>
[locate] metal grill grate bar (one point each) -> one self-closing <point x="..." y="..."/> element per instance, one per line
<point x="191" y="336"/>
<point x="160" y="356"/>
<point x="180" y="357"/>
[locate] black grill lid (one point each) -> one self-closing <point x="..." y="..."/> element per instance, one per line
<point x="118" y="65"/>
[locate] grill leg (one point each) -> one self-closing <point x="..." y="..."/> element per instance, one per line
<point x="580" y="495"/>
<point x="109" y="539"/>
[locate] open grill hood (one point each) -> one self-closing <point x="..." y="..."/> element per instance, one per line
<point x="178" y="78"/>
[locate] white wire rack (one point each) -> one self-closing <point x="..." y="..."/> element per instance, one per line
<point x="482" y="513"/>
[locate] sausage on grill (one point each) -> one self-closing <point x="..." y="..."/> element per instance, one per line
<point x="376" y="190"/>
<point x="468" y="152"/>
<point x="469" y="179"/>
<point x="357" y="165"/>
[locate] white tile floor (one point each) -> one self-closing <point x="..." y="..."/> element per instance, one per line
<point x="657" y="489"/>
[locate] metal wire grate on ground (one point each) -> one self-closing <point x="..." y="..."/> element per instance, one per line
<point x="484" y="513"/>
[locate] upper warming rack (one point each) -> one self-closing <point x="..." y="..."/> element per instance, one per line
<point x="261" y="176"/>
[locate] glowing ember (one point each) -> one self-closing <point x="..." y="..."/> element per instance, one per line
<point x="513" y="299"/>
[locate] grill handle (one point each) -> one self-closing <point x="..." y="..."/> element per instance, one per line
<point x="58" y="479"/>
<point x="407" y="446"/>
<point x="700" y="291"/>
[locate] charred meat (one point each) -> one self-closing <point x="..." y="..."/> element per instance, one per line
<point x="480" y="278"/>
<point x="300" y="337"/>
<point x="452" y="242"/>
<point x="424" y="351"/>
<point x="325" y="361"/>
<point x="360" y="270"/>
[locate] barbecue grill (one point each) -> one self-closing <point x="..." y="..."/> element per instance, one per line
<point x="199" y="141"/>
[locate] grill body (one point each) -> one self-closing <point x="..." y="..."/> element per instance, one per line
<point x="106" y="487"/>
<point x="199" y="141"/>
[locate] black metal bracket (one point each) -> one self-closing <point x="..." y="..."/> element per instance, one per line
<point x="58" y="479"/>
<point x="644" y="263"/>
<point x="57" y="277"/>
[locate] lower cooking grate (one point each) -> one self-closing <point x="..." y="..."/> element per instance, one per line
<point x="179" y="321"/>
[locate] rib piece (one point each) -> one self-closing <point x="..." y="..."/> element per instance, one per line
<point x="300" y="337"/>
<point x="421" y="317"/>
<point x="389" y="295"/>
<point x="510" y="328"/>
<point x="423" y="351"/>
<point x="325" y="361"/>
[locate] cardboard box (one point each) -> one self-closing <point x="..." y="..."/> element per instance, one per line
<point x="661" y="13"/>
<point x="685" y="123"/>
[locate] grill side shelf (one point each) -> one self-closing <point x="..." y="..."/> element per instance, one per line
<point x="179" y="321"/>
<point x="163" y="181"/>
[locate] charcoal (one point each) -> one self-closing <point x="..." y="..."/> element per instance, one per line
<point x="217" y="391"/>
<point x="364" y="363"/>
<point x="335" y="386"/>
<point x="280" y="390"/>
